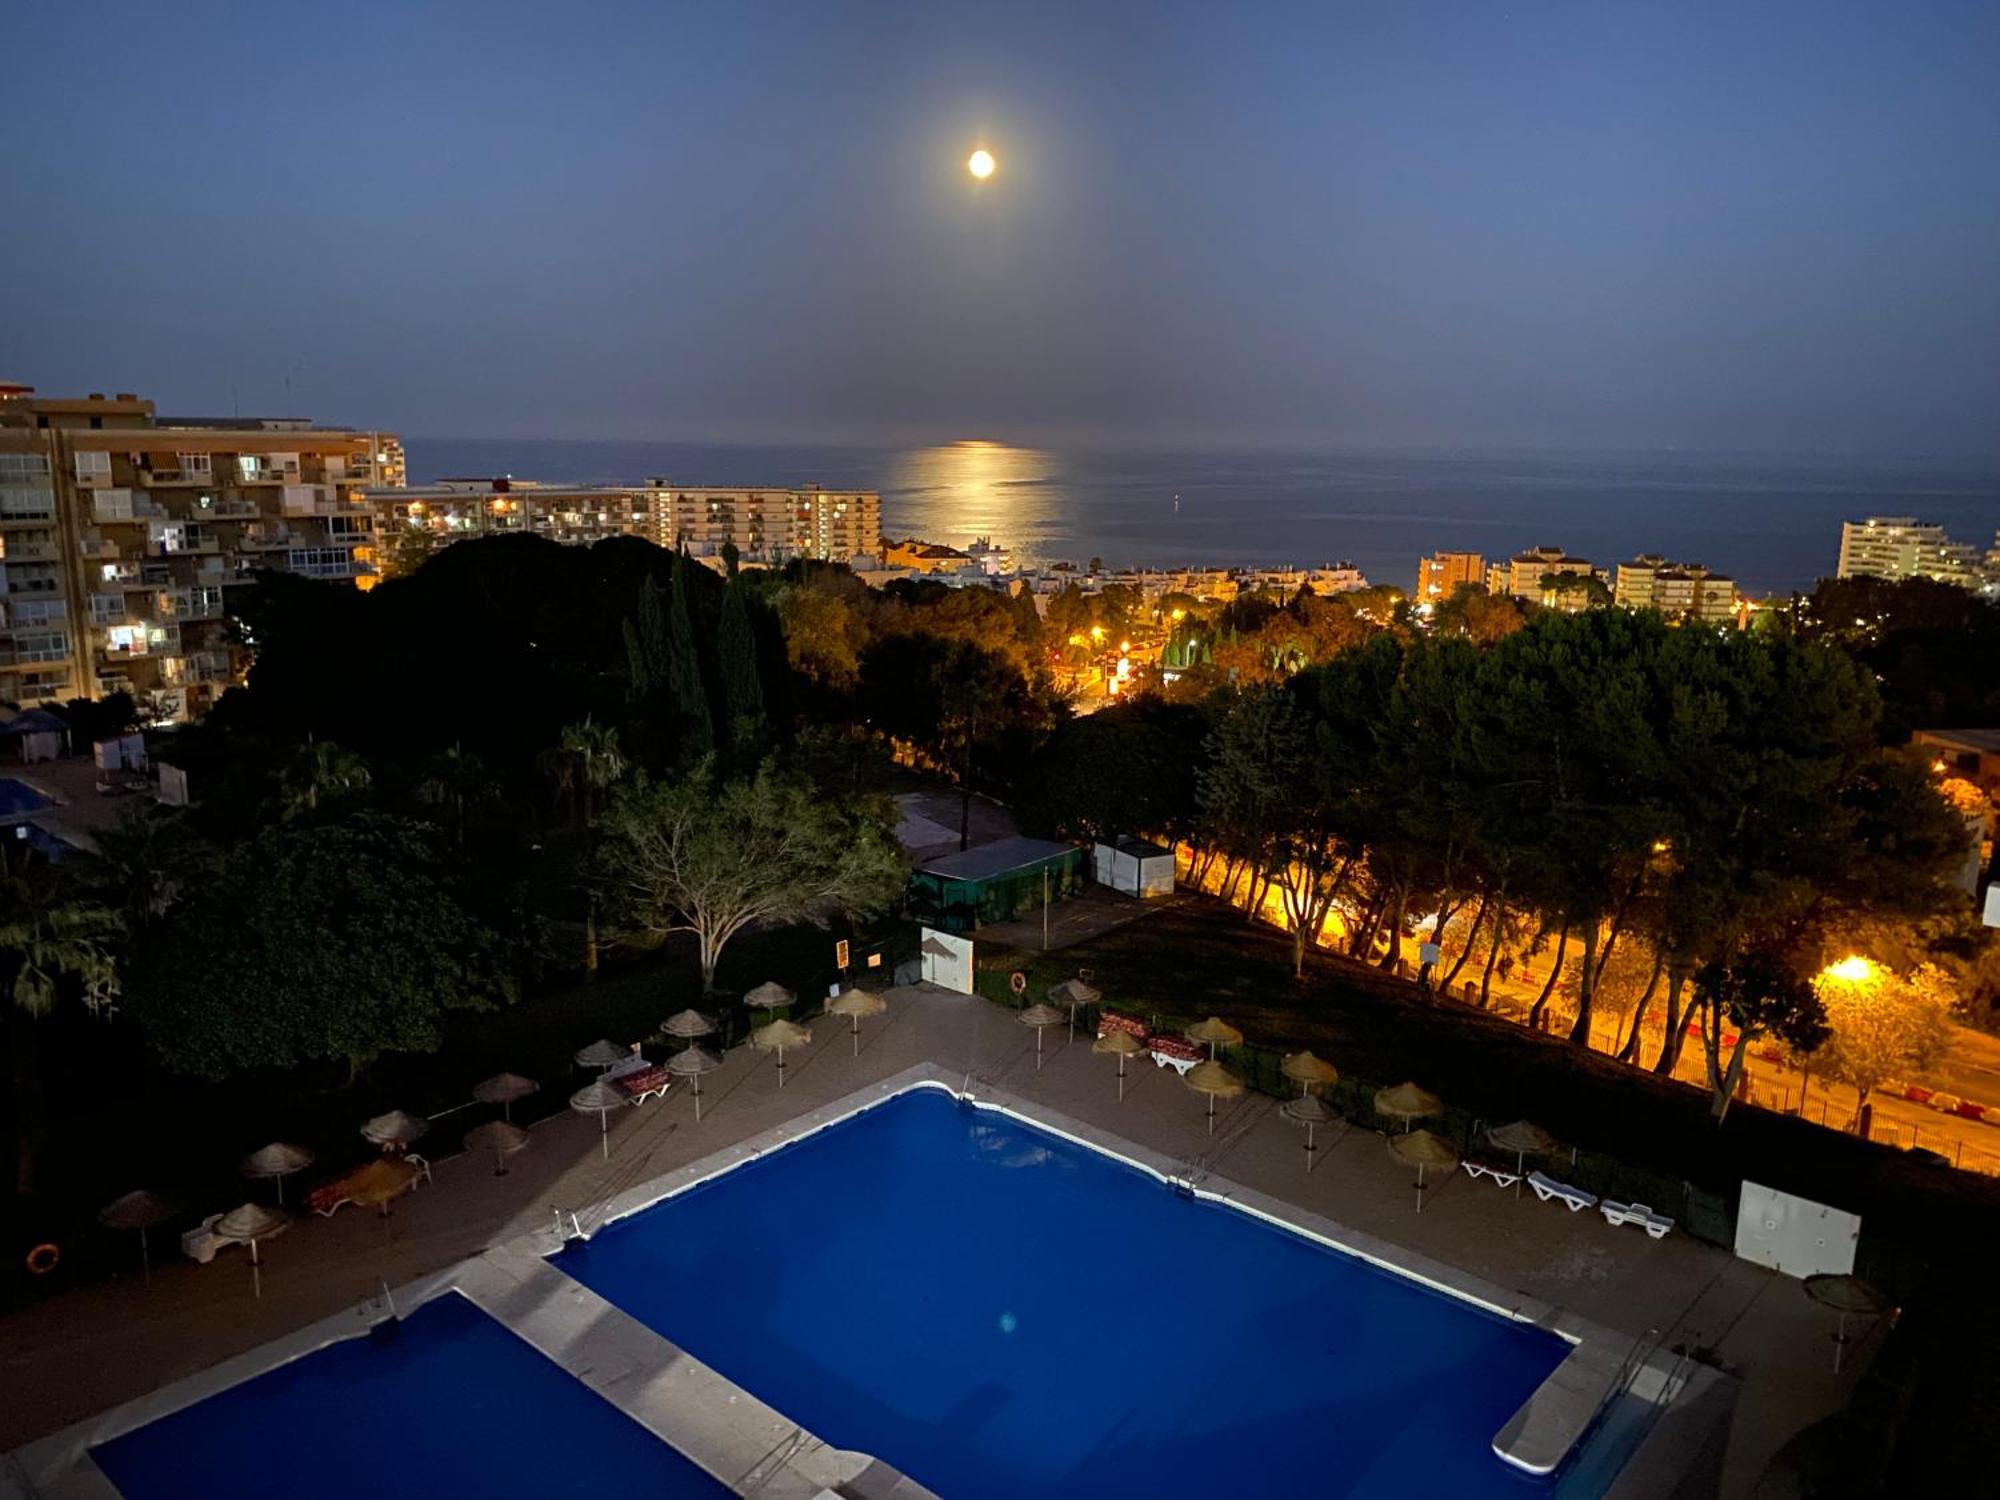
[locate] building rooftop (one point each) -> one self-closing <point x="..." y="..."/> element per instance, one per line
<point x="997" y="858"/>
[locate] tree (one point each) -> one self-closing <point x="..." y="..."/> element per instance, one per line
<point x="683" y="666"/>
<point x="1759" y="994"/>
<point x="331" y="943"/>
<point x="1480" y="617"/>
<point x="460" y="784"/>
<point x="322" y="772"/>
<point x="1881" y="1025"/>
<point x="585" y="764"/>
<point x="711" y="857"/>
<point x="53" y="939"/>
<point x="736" y="650"/>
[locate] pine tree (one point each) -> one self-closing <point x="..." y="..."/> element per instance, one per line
<point x="646" y="641"/>
<point x="683" y="668"/>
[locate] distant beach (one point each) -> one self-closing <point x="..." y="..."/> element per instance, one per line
<point x="1772" y="523"/>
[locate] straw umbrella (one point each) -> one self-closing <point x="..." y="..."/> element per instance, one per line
<point x="688" y="1025"/>
<point x="503" y="1089"/>
<point x="1074" y="992"/>
<point x="1524" y="1140"/>
<point x="247" y="1224"/>
<point x="1308" y="1072"/>
<point x="599" y="1099"/>
<point x="1121" y="1045"/>
<point x="1039" y="1016"/>
<point x="396" y="1130"/>
<point x="376" y="1184"/>
<point x="776" y="1037"/>
<point x="1216" y="1081"/>
<point x="1845" y="1295"/>
<point x="1310" y="1111"/>
<point x="770" y="995"/>
<point x="501" y="1137"/>
<point x="602" y="1053"/>
<point x="1216" y="1032"/>
<point x="691" y="1063"/>
<point x="1423" y="1150"/>
<point x="1407" y="1102"/>
<point x="276" y="1162"/>
<point x="138" y="1211"/>
<point x="854" y="1004"/>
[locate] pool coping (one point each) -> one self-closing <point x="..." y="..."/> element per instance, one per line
<point x="741" y="1441"/>
<point x="1537" y="1438"/>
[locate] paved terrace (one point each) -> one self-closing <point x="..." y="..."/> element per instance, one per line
<point x="79" y="1354"/>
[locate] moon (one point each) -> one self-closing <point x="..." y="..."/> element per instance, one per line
<point x="981" y="164"/>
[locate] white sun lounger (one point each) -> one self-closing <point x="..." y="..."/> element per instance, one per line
<point x="1546" y="1187"/>
<point x="1654" y="1224"/>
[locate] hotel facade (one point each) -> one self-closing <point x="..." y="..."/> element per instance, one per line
<point x="122" y="534"/>
<point x="1896" y="547"/>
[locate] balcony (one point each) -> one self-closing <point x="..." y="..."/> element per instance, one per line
<point x="167" y="476"/>
<point x="123" y="642"/>
<point x="122" y="505"/>
<point x="109" y="609"/>
<point x="265" y="539"/>
<point x="190" y="604"/>
<point x="268" y="474"/>
<point x="18" y="552"/>
<point x="313" y="500"/>
<point x="233" y="510"/>
<point x="19" y="513"/>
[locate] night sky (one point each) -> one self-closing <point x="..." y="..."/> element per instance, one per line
<point x="1731" y="226"/>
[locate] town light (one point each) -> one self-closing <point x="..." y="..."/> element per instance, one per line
<point x="1853" y="969"/>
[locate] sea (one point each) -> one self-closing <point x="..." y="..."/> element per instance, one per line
<point x="1772" y="523"/>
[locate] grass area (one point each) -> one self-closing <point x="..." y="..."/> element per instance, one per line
<point x="119" y="1122"/>
<point x="1199" y="956"/>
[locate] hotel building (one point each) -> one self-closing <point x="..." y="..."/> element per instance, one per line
<point x="1680" y="591"/>
<point x="1522" y="574"/>
<point x="774" y="525"/>
<point x="1903" y="547"/>
<point x="1440" y="574"/>
<point x="122" y="533"/>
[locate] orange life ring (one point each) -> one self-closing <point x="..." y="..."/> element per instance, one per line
<point x="1018" y="982"/>
<point x="43" y="1259"/>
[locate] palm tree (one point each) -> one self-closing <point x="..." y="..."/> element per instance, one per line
<point x="584" y="763"/>
<point x="50" y="936"/>
<point x="459" y="782"/>
<point x="321" y="771"/>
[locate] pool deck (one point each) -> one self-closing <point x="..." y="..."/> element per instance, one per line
<point x="78" y="1356"/>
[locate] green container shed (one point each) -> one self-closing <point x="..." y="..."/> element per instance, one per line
<point x="993" y="883"/>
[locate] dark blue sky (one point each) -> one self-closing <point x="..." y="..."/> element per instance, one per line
<point x="1598" y="224"/>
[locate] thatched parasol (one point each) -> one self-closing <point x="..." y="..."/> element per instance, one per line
<point x="776" y="1037"/>
<point x="276" y="1161"/>
<point x="1039" y="1016"/>
<point x="503" y="1089"/>
<point x="770" y="995"/>
<point x="599" y="1099"/>
<point x="1407" y="1102"/>
<point x="499" y="1138"/>
<point x="138" y="1212"/>
<point x="247" y="1224"/>
<point x="1308" y="1072"/>
<point x="688" y="1025"/>
<point x="1072" y="993"/>
<point x="1846" y="1295"/>
<point x="1310" y="1111"/>
<point x="376" y="1184"/>
<point x="692" y="1062"/>
<point x="1121" y="1045"/>
<point x="1216" y="1081"/>
<point x="1524" y="1140"/>
<point x="1215" y="1032"/>
<point x="855" y="1004"/>
<point x="1423" y="1150"/>
<point x="602" y="1053"/>
<point x="395" y="1130"/>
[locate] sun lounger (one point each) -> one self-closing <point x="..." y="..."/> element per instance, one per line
<point x="643" y="1084"/>
<point x="1546" y="1187"/>
<point x="1175" y="1052"/>
<point x="1109" y="1020"/>
<point x="201" y="1242"/>
<point x="636" y="1063"/>
<point x="1654" y="1224"/>
<point x="1502" y="1172"/>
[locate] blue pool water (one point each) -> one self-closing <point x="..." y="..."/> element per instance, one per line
<point x="448" y="1402"/>
<point x="998" y="1312"/>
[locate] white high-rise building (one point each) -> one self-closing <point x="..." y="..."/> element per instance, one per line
<point x="1904" y="547"/>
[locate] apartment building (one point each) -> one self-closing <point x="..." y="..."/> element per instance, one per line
<point x="774" y="525"/>
<point x="1440" y="574"/>
<point x="1522" y="574"/>
<point x="413" y="521"/>
<point x="122" y="533"/>
<point x="1904" y="547"/>
<point x="1680" y="591"/>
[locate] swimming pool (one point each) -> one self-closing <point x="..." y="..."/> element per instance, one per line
<point x="446" y="1402"/>
<point x="997" y="1311"/>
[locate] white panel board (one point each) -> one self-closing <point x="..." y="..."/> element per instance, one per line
<point x="1794" y="1235"/>
<point x="947" y="959"/>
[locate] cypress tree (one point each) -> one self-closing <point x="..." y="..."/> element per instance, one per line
<point x="736" y="649"/>
<point x="684" y="671"/>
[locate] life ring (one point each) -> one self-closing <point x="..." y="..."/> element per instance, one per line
<point x="1018" y="982"/>
<point x="43" y="1259"/>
